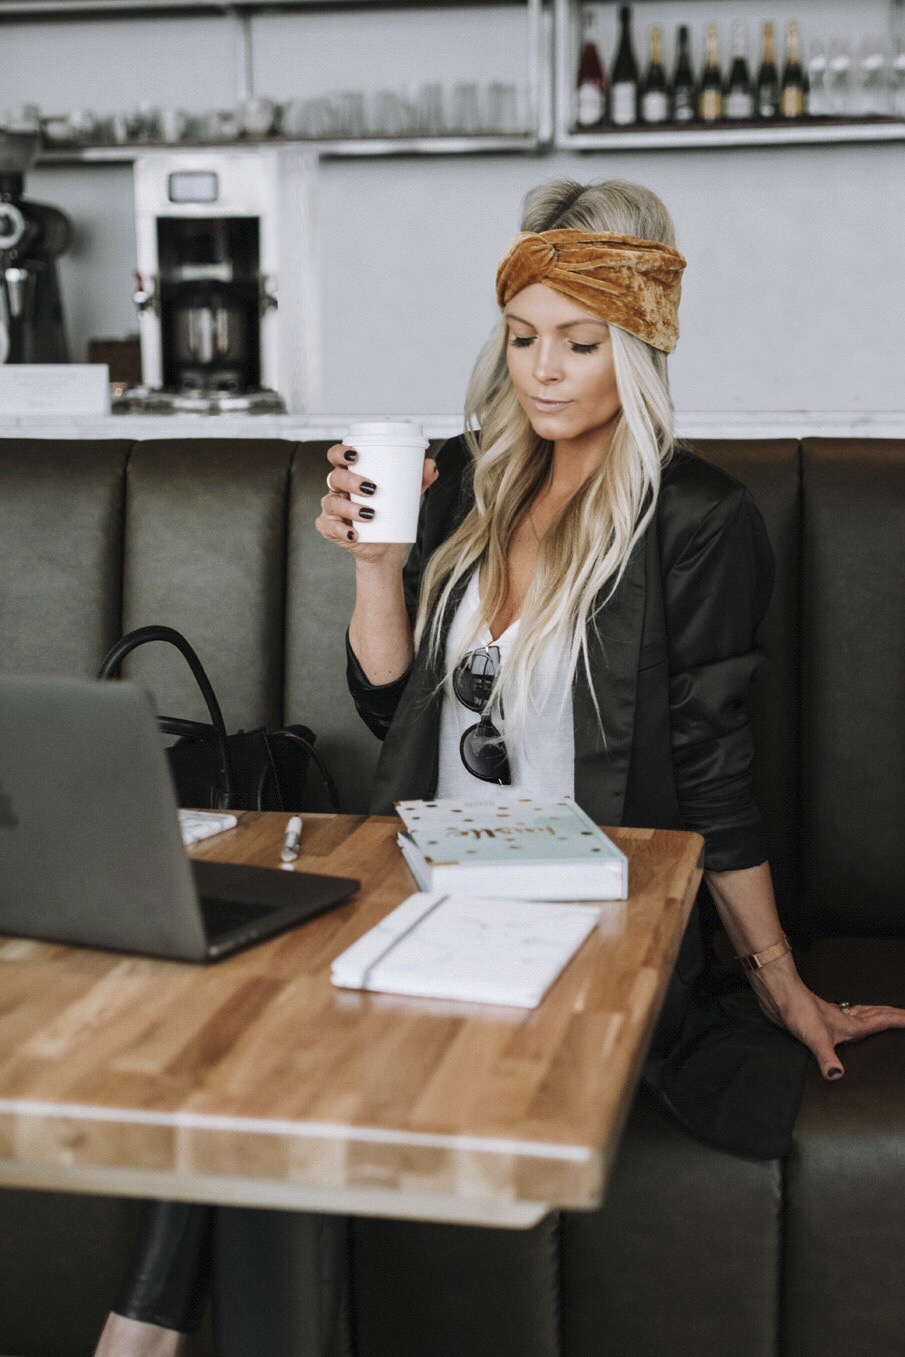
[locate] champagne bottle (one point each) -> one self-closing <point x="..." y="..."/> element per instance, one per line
<point x="591" y="83"/>
<point x="739" y="92"/>
<point x="683" y="90"/>
<point x="767" y="93"/>
<point x="792" y="92"/>
<point x="710" y="99"/>
<point x="624" y="89"/>
<point x="655" y="94"/>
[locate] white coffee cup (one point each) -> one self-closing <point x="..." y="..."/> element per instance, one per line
<point x="392" y="456"/>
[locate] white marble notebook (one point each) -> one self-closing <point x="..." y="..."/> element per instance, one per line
<point x="487" y="951"/>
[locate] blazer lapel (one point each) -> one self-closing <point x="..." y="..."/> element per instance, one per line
<point x="614" y="648"/>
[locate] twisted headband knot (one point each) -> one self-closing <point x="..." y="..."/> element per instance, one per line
<point x="622" y="280"/>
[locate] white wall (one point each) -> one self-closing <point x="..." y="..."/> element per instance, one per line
<point x="794" y="290"/>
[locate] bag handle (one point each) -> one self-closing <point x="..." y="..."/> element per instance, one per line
<point x="171" y="725"/>
<point x="292" y="736"/>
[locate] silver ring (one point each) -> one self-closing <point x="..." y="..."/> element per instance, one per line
<point x="845" y="1006"/>
<point x="330" y="486"/>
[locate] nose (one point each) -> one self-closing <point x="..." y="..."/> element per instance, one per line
<point x="547" y="367"/>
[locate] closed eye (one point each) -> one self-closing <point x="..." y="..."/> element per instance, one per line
<point x="584" y="348"/>
<point x="522" y="341"/>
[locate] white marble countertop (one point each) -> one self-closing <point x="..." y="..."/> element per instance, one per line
<point x="690" y="424"/>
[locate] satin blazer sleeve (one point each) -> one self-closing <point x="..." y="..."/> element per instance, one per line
<point x="716" y="592"/>
<point x="444" y="505"/>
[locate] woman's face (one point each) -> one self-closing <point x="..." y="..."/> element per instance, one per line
<point x="561" y="363"/>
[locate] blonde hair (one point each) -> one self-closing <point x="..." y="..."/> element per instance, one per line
<point x="588" y="545"/>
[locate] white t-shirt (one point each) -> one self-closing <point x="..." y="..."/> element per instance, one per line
<point x="544" y="765"/>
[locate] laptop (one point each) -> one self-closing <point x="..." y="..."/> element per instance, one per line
<point x="90" y="847"/>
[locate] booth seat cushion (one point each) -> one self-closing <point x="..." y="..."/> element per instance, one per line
<point x="845" y="1177"/>
<point x="683" y="1258"/>
<point x="455" y="1291"/>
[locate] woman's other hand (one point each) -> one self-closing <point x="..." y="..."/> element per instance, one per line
<point x="339" y="516"/>
<point x="820" y="1025"/>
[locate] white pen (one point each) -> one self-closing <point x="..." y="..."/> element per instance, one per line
<point x="292" y="840"/>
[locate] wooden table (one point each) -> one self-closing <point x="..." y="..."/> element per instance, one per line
<point x="254" y="1082"/>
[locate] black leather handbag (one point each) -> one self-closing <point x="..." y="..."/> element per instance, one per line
<point x="249" y="770"/>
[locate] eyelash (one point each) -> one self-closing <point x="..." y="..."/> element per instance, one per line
<point x="522" y="342"/>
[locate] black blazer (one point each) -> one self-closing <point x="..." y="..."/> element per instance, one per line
<point x="671" y="659"/>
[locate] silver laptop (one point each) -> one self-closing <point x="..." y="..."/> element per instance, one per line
<point x="90" y="846"/>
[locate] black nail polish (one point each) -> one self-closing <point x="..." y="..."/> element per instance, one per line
<point x="350" y="455"/>
<point x="351" y="536"/>
<point x="367" y="487"/>
<point x="835" y="1072"/>
<point x="366" y="513"/>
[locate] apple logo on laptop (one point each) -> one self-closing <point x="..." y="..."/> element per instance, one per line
<point x="8" y="820"/>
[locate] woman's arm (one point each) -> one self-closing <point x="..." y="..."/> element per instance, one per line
<point x="717" y="585"/>
<point x="747" y="910"/>
<point x="380" y="632"/>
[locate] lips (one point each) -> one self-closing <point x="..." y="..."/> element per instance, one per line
<point x="548" y="407"/>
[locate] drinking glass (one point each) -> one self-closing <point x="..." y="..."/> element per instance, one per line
<point x="839" y="67"/>
<point x="429" y="116"/>
<point x="873" y="87"/>
<point x="897" y="81"/>
<point x="465" y="118"/>
<point x="818" y="99"/>
<point x="502" y="108"/>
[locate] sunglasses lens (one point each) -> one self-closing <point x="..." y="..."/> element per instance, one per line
<point x="484" y="753"/>
<point x="474" y="677"/>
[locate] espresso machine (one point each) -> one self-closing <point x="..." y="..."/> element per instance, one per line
<point x="227" y="288"/>
<point x="32" y="238"/>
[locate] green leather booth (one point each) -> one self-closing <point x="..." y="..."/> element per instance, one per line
<point x="695" y="1253"/>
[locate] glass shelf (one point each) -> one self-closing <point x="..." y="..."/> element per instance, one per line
<point x="524" y="143"/>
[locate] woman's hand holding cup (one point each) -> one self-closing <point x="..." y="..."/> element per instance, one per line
<point x="341" y="517"/>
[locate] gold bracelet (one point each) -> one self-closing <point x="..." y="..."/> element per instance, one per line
<point x="757" y="960"/>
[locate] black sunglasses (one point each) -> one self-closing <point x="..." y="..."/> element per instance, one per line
<point x="481" y="747"/>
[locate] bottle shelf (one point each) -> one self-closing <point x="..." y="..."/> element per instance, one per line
<point x="808" y="132"/>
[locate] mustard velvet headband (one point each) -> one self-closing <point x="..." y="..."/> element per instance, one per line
<point x="625" y="281"/>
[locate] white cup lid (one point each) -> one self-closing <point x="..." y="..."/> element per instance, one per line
<point x="387" y="432"/>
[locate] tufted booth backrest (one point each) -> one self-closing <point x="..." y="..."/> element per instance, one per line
<point x="853" y="734"/>
<point x="215" y="538"/>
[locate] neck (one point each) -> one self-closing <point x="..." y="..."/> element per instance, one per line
<point x="575" y="459"/>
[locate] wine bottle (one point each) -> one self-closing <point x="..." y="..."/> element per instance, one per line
<point x="767" y="93"/>
<point x="624" y="88"/>
<point x="655" y="94"/>
<point x="683" y="91"/>
<point x="591" y="86"/>
<point x="710" y="98"/>
<point x="792" y="91"/>
<point x="739" y="92"/>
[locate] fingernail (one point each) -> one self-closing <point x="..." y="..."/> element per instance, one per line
<point x="351" y="536"/>
<point x="834" y="1073"/>
<point x="366" y="513"/>
<point x="367" y="487"/>
<point x="350" y="455"/>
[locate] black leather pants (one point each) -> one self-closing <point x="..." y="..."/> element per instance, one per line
<point x="277" y="1278"/>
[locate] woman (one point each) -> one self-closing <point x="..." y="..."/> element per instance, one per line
<point x="611" y="585"/>
<point x="578" y="616"/>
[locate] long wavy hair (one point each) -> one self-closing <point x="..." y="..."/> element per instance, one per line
<point x="584" y="553"/>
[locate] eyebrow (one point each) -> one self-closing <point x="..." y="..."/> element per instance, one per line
<point x="570" y="325"/>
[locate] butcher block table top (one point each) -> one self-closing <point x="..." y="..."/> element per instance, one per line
<point x="254" y="1082"/>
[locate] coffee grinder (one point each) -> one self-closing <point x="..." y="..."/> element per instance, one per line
<point x="32" y="238"/>
<point x="227" y="290"/>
